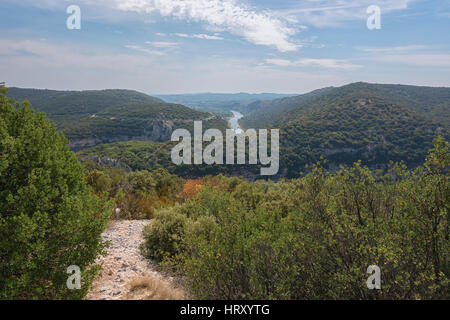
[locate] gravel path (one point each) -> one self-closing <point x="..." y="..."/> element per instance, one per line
<point x="124" y="262"/>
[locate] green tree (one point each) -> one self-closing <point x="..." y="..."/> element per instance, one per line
<point x="49" y="217"/>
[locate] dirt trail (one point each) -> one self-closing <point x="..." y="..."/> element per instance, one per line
<point x="125" y="273"/>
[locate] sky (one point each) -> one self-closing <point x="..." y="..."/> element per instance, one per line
<point x="227" y="46"/>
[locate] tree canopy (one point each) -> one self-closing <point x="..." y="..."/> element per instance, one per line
<point x="49" y="217"/>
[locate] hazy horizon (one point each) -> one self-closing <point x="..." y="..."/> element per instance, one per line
<point x="223" y="93"/>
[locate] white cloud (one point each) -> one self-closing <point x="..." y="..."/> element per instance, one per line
<point x="198" y="36"/>
<point x="144" y="50"/>
<point x="418" y="60"/>
<point x="394" y="49"/>
<point x="263" y="27"/>
<point x="412" y="55"/>
<point x="260" y="28"/>
<point x="322" y="63"/>
<point x="280" y="62"/>
<point x="207" y="37"/>
<point x="40" y="53"/>
<point x="161" y="44"/>
<point x="65" y="66"/>
<point x="182" y="35"/>
<point x="325" y="13"/>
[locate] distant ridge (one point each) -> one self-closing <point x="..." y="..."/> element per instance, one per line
<point x="227" y="101"/>
<point x="361" y="121"/>
<point x="431" y="102"/>
<point x="93" y="117"/>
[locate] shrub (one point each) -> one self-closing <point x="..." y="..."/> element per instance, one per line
<point x="99" y="181"/>
<point x="137" y="194"/>
<point x="164" y="235"/>
<point x="314" y="237"/>
<point x="49" y="217"/>
<point x="136" y="206"/>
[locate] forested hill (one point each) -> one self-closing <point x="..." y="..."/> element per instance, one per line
<point x="54" y="102"/>
<point x="262" y="111"/>
<point x="88" y="118"/>
<point x="372" y="123"/>
<point x="370" y="129"/>
<point x="369" y="122"/>
<point x="433" y="103"/>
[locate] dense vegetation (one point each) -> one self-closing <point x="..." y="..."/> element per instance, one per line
<point x="370" y="130"/>
<point x="49" y="218"/>
<point x="64" y="103"/>
<point x="430" y="102"/>
<point x="311" y="237"/>
<point x="136" y="194"/>
<point x="259" y="113"/>
<point x="113" y="115"/>
<point x="368" y="122"/>
<point x="152" y="156"/>
<point x="314" y="237"/>
<point x="372" y="123"/>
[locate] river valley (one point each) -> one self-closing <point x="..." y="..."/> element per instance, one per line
<point x="234" y="121"/>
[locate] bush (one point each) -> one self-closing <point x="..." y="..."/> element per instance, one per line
<point x="315" y="237"/>
<point x="99" y="181"/>
<point x="49" y="217"/>
<point x="137" y="194"/>
<point x="135" y="207"/>
<point x="164" y="235"/>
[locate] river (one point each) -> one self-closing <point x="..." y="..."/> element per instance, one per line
<point x="234" y="121"/>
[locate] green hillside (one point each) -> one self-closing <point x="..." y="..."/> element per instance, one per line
<point x="54" y="102"/>
<point x="369" y="129"/>
<point x="342" y="125"/>
<point x="259" y="113"/>
<point x="227" y="238"/>
<point x="433" y="103"/>
<point x="88" y="118"/>
<point x="151" y="156"/>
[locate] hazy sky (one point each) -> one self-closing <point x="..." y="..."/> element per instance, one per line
<point x="185" y="46"/>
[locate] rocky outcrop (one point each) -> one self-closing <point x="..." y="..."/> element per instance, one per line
<point x="109" y="162"/>
<point x="161" y="131"/>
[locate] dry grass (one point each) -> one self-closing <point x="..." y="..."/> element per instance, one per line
<point x="153" y="288"/>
